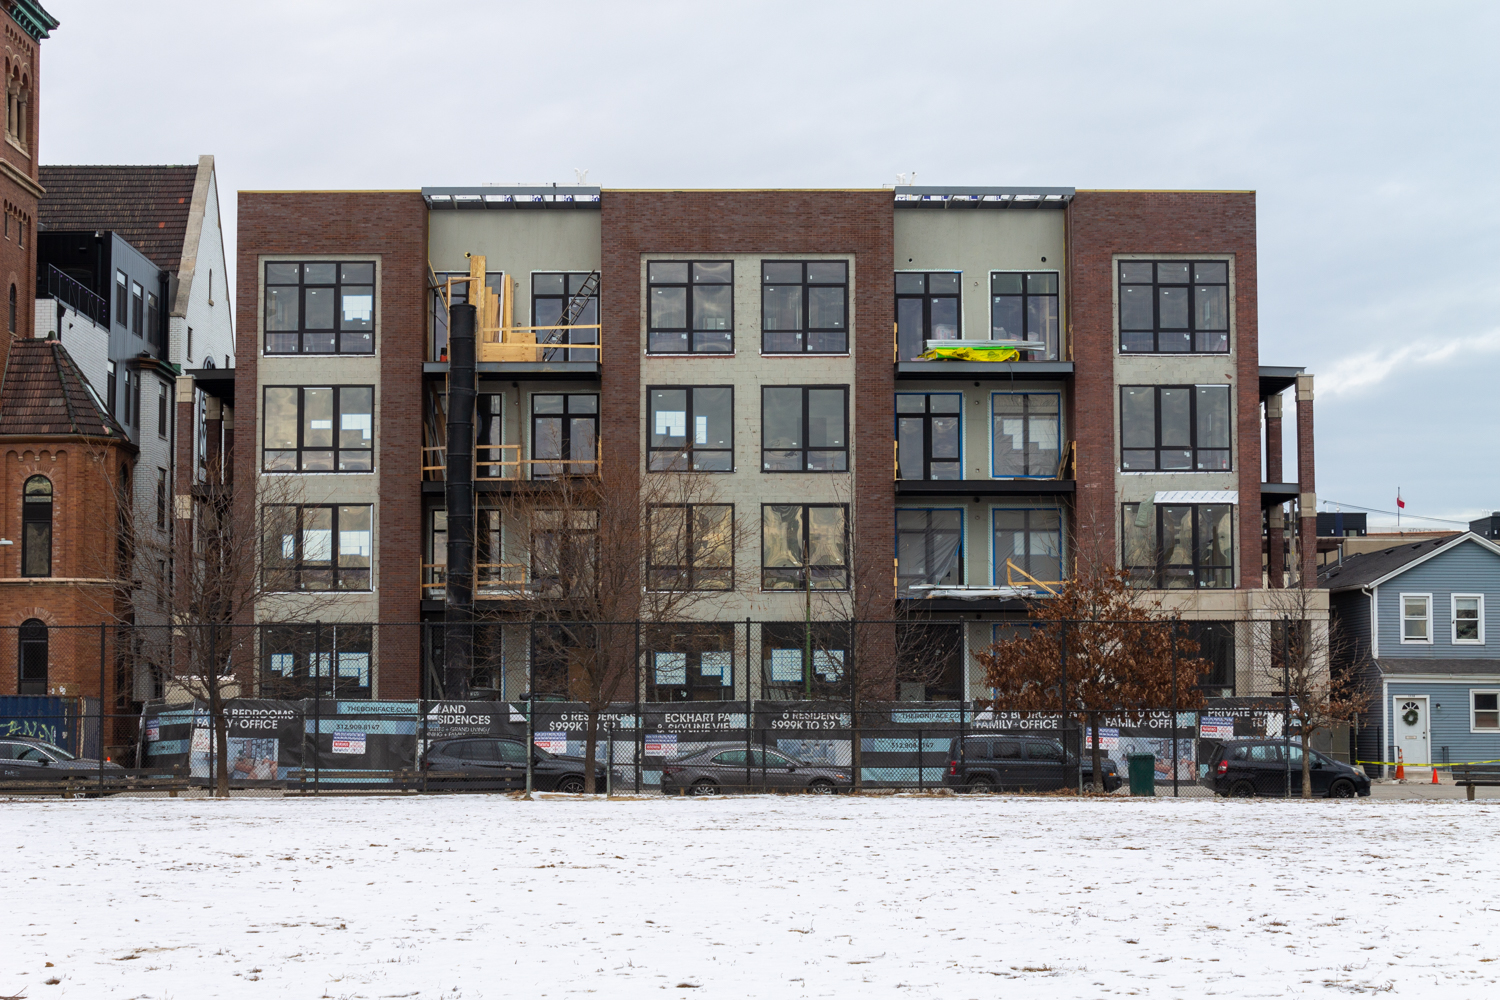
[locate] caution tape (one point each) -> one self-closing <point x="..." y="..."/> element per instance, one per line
<point x="1407" y="763"/>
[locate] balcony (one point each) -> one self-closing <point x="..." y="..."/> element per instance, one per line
<point x="492" y="581"/>
<point x="566" y="350"/>
<point x="500" y="468"/>
<point x="1061" y="483"/>
<point x="54" y="284"/>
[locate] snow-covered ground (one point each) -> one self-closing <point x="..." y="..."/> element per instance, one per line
<point x="474" y="896"/>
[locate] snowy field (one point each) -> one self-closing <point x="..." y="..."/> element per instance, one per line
<point x="487" y="897"/>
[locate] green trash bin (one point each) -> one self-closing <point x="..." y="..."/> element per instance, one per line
<point x="1142" y="773"/>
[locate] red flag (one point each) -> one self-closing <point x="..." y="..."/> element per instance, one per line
<point x="1400" y="504"/>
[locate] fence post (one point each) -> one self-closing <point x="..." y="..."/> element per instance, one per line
<point x="749" y="708"/>
<point x="101" y="704"/>
<point x="609" y="762"/>
<point x="422" y="755"/>
<point x="317" y="668"/>
<point x="1286" y="700"/>
<point x="921" y="777"/>
<point x="1067" y="718"/>
<point x="640" y="724"/>
<point x="1172" y="729"/>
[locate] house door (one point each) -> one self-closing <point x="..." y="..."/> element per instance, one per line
<point x="1412" y="729"/>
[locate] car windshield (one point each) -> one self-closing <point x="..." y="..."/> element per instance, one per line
<point x="57" y="753"/>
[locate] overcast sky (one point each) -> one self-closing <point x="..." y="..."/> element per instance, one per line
<point x="1369" y="131"/>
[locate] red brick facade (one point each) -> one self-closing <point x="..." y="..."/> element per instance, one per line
<point x="393" y="225"/>
<point x="723" y="222"/>
<point x="19" y="187"/>
<point x="1100" y="225"/>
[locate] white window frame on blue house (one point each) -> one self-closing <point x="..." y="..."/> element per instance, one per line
<point x="1474" y="711"/>
<point x="1404" y="618"/>
<point x="1453" y="600"/>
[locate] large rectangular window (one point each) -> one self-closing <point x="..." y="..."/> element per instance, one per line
<point x="564" y="435"/>
<point x="565" y="298"/>
<point x="1030" y="539"/>
<point x="163" y="408"/>
<point x="137" y="309"/>
<point x="564" y="551"/>
<point x="1179" y="546"/>
<point x="1174" y="306"/>
<point x="122" y="299"/>
<point x="689" y="662"/>
<point x="929" y="547"/>
<point x="804" y="428"/>
<point x="329" y="660"/>
<point x="1171" y="428"/>
<point x="690" y="428"/>
<point x="1416" y="618"/>
<point x="692" y="547"/>
<point x="320" y="307"/>
<point x="1024" y="306"/>
<point x="927" y="308"/>
<point x="691" y="307"/>
<point x="802" y="660"/>
<point x="1484" y="711"/>
<point x="929" y="438"/>
<point x="1027" y="428"/>
<point x="317" y="547"/>
<point x="319" y="428"/>
<point x="804" y="307"/>
<point x="1468" y="619"/>
<point x="804" y="546"/>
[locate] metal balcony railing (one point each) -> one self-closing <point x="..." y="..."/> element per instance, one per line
<point x="53" y="283"/>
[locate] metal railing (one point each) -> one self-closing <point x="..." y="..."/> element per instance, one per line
<point x="55" y="284"/>
<point x="494" y="463"/>
<point x="490" y="580"/>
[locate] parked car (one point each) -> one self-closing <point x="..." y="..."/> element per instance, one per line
<point x="1020" y="764"/>
<point x="1262" y="767"/>
<point x="728" y="765"/>
<point x="28" y="759"/>
<point x="490" y="764"/>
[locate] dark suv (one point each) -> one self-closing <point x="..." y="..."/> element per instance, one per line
<point x="1263" y="767"/>
<point x="484" y="763"/>
<point x="1019" y="764"/>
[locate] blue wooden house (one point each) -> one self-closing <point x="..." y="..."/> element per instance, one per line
<point x="1419" y="615"/>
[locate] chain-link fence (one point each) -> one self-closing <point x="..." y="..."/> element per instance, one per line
<point x="673" y="707"/>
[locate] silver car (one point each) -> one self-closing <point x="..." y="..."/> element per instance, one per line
<point x="755" y="768"/>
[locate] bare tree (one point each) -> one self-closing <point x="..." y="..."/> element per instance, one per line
<point x="1098" y="646"/>
<point x="1317" y="663"/>
<point x="203" y="577"/>
<point x="609" y="554"/>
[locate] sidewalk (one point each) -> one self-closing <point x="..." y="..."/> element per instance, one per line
<point x="1422" y="788"/>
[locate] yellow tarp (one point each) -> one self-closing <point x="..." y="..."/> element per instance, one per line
<point x="969" y="354"/>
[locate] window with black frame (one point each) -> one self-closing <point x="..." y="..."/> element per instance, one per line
<point x="36" y="527"/>
<point x="298" y="661"/>
<point x="1028" y="545"/>
<point x="690" y="307"/>
<point x="691" y="547"/>
<point x="804" y="307"/>
<point x="804" y="428"/>
<point x="1174" y="306"/>
<point x="320" y="307"/>
<point x="122" y="299"/>
<point x="493" y="280"/>
<point x="1024" y="306"/>
<point x="929" y="548"/>
<point x="1027" y="428"/>
<point x="31" y="657"/>
<point x="691" y="428"/>
<point x="1216" y="646"/>
<point x="564" y="551"/>
<point x="804" y="547"/>
<point x="552" y="293"/>
<point x="929" y="435"/>
<point x="689" y="662"/>
<point x="319" y="428"/>
<point x="564" y="435"/>
<point x="137" y="309"/>
<point x="927" y="308"/>
<point x="1179" y="546"/>
<point x="1174" y="428"/>
<point x="803" y="660"/>
<point x="317" y="547"/>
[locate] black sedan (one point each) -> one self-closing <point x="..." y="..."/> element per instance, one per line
<point x="483" y="763"/>
<point x="712" y="770"/>
<point x="1245" y="768"/>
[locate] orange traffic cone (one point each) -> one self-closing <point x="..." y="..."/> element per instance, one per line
<point x="1400" y="766"/>
<point x="1435" y="780"/>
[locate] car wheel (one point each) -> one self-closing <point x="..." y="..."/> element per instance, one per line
<point x="1341" y="789"/>
<point x="1241" y="790"/>
<point x="704" y="786"/>
<point x="983" y="786"/>
<point x="572" y="784"/>
<point x="1088" y="787"/>
<point x="821" y="787"/>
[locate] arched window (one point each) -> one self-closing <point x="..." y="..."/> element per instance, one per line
<point x="36" y="527"/>
<point x="31" y="658"/>
<point x="12" y="308"/>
